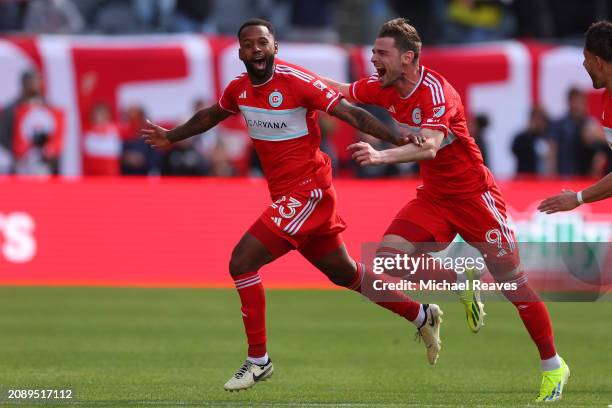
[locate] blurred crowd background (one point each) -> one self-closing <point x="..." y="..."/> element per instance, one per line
<point x="572" y="145"/>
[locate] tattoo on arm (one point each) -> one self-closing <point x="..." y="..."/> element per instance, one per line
<point x="363" y="120"/>
<point x="200" y="122"/>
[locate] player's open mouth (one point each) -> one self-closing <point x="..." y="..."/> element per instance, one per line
<point x="259" y="63"/>
<point x="381" y="72"/>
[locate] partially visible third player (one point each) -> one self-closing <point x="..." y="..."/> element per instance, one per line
<point x="598" y="64"/>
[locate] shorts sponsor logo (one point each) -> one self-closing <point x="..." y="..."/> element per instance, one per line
<point x="275" y="99"/>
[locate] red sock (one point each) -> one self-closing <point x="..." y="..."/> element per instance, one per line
<point x="534" y="315"/>
<point x="253" y="309"/>
<point x="394" y="300"/>
<point x="433" y="271"/>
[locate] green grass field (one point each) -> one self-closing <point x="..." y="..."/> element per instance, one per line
<point x="176" y="347"/>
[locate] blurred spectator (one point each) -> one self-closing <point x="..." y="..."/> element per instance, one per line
<point x="116" y="16"/>
<point x="53" y="16"/>
<point x="194" y="16"/>
<point x="475" y="20"/>
<point x="31" y="92"/>
<point x="11" y="15"/>
<point x="534" y="18"/>
<point x="477" y="126"/>
<point x="101" y="143"/>
<point x="574" y="151"/>
<point x="428" y="16"/>
<point x="183" y="159"/>
<point x="531" y="147"/>
<point x="313" y="20"/>
<point x="137" y="157"/>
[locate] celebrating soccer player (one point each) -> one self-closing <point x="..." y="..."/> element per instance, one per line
<point x="598" y="64"/>
<point x="459" y="194"/>
<point x="278" y="101"/>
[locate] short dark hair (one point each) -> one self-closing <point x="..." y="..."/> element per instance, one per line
<point x="598" y="40"/>
<point x="574" y="92"/>
<point x="256" y="22"/>
<point x="405" y="35"/>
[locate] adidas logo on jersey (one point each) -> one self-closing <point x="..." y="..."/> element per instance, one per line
<point x="391" y="109"/>
<point x="276" y="220"/>
<point x="242" y="95"/>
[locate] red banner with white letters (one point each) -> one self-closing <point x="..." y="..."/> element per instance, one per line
<point x="181" y="232"/>
<point x="167" y="75"/>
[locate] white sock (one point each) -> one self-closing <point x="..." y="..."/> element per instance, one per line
<point x="259" y="360"/>
<point x="551" y="363"/>
<point x="420" y="319"/>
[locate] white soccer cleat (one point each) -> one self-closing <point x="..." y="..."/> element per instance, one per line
<point x="429" y="332"/>
<point x="249" y="374"/>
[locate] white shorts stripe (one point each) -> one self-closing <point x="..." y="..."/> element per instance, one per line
<point x="435" y="81"/>
<point x="505" y="230"/>
<point x="303" y="220"/>
<point x="303" y="217"/>
<point x="302" y="212"/>
<point x="294" y="226"/>
<point x="505" y="223"/>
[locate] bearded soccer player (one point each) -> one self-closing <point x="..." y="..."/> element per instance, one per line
<point x="459" y="194"/>
<point x="598" y="64"/>
<point x="278" y="101"/>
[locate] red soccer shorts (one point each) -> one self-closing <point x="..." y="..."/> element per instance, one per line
<point x="481" y="222"/>
<point x="307" y="220"/>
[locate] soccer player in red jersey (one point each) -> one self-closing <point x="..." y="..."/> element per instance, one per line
<point x="598" y="64"/>
<point x="459" y="194"/>
<point x="278" y="101"/>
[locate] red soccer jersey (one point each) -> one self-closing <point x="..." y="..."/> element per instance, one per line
<point x="458" y="169"/>
<point x="606" y="117"/>
<point x="282" y="121"/>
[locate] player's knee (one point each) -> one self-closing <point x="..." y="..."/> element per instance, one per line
<point x="240" y="264"/>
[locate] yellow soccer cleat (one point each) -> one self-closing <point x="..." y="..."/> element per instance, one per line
<point x="474" y="308"/>
<point x="553" y="382"/>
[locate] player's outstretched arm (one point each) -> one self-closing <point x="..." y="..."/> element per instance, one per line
<point x="340" y="86"/>
<point x="363" y="120"/>
<point x="365" y="154"/>
<point x="200" y="122"/>
<point x="567" y="200"/>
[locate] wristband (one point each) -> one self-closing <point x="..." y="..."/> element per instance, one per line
<point x="579" y="197"/>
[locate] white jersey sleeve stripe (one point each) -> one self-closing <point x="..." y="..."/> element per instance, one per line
<point x="293" y="74"/>
<point x="436" y="88"/>
<point x="435" y="81"/>
<point x="434" y="96"/>
<point x="295" y="71"/>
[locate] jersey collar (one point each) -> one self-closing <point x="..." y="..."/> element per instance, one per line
<point x="417" y="84"/>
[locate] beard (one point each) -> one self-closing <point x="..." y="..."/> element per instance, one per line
<point x="260" y="73"/>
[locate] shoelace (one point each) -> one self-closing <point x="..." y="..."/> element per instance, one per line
<point x="242" y="371"/>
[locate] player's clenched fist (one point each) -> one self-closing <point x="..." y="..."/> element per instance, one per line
<point x="155" y="136"/>
<point x="365" y="154"/>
